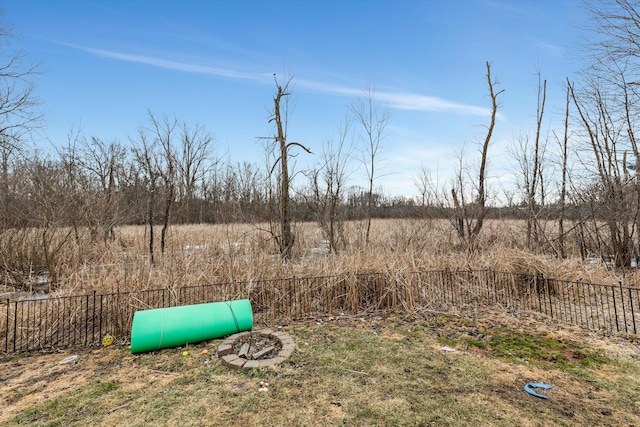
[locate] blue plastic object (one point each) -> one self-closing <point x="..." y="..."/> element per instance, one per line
<point x="529" y="389"/>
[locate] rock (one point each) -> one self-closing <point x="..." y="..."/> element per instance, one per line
<point x="69" y="360"/>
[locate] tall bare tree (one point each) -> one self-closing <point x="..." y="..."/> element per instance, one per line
<point x="285" y="239"/>
<point x="535" y="189"/>
<point x="468" y="218"/>
<point x="530" y="159"/>
<point x="564" y="147"/>
<point x="373" y="120"/>
<point x="163" y="132"/>
<point x="155" y="153"/>
<point x="192" y="162"/>
<point x="614" y="199"/>
<point x="144" y="150"/>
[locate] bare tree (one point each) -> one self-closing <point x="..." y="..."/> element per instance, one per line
<point x="144" y="151"/>
<point x="104" y="162"/>
<point x="77" y="188"/>
<point x="18" y="114"/>
<point x="425" y="186"/>
<point x="468" y="218"/>
<point x="616" y="24"/>
<point x="374" y="121"/>
<point x="163" y="133"/>
<point x="249" y="186"/>
<point x="606" y="99"/>
<point x="530" y="159"/>
<point x="192" y="156"/>
<point x="328" y="185"/>
<point x="6" y="154"/>
<point x="564" y="146"/>
<point x="11" y="155"/>
<point x="285" y="239"/>
<point x="614" y="201"/>
<point x="535" y="189"/>
<point x="50" y="196"/>
<point x="17" y="97"/>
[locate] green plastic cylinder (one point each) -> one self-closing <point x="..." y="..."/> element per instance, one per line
<point x="176" y="326"/>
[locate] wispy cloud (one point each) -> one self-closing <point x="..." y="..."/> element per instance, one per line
<point x="172" y="65"/>
<point x="411" y="101"/>
<point x="401" y="101"/>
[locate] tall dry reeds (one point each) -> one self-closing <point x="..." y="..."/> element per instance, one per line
<point x="207" y="254"/>
<point x="408" y="265"/>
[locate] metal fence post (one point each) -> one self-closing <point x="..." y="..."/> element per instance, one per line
<point x="100" y="330"/>
<point x="633" y="315"/>
<point x="15" y="325"/>
<point x="6" y="344"/>
<point x="624" y="310"/>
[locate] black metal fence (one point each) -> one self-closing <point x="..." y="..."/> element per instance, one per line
<point x="47" y="322"/>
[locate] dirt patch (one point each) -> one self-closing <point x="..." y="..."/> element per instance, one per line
<point x="30" y="379"/>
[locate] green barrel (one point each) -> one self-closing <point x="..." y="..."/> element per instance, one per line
<point x="175" y="326"/>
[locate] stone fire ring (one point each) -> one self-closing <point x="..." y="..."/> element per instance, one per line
<point x="232" y="360"/>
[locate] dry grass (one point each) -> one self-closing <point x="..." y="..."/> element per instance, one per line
<point x="205" y="254"/>
<point x="240" y="254"/>
<point x="352" y="371"/>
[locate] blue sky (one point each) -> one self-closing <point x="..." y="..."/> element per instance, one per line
<point x="104" y="64"/>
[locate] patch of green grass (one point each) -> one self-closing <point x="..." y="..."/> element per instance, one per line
<point x="590" y="358"/>
<point x="476" y="343"/>
<point x="100" y="389"/>
<point x="514" y="345"/>
<point x="518" y="347"/>
<point x="447" y="341"/>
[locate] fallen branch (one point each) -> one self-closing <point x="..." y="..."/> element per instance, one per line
<point x="355" y="372"/>
<point x="120" y="407"/>
<point x="163" y="372"/>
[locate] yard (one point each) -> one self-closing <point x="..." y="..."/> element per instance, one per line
<point x="379" y="369"/>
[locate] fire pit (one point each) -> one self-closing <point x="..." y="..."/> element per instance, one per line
<point x="255" y="349"/>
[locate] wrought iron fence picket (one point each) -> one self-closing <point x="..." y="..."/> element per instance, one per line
<point x="633" y="315"/>
<point x="624" y="311"/>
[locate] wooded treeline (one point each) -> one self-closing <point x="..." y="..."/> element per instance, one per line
<point x="101" y="185"/>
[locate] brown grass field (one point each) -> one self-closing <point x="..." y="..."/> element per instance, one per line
<point x="207" y="254"/>
<point x="382" y="369"/>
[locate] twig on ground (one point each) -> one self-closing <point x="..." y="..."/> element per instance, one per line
<point x="120" y="407"/>
<point x="163" y="372"/>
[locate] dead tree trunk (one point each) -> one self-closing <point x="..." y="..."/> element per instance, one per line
<point x="469" y="219"/>
<point x="286" y="239"/>
<point x="536" y="175"/>
<point x="563" y="190"/>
